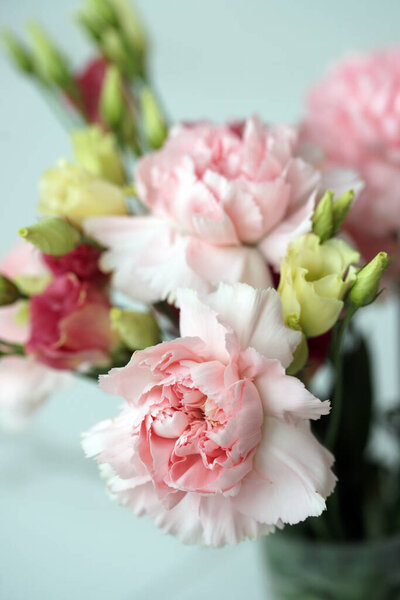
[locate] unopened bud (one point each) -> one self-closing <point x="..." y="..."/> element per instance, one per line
<point x="102" y="11"/>
<point x="131" y="25"/>
<point x="52" y="236"/>
<point x="340" y="208"/>
<point x="112" y="101"/>
<point x="153" y="122"/>
<point x="16" y="51"/>
<point x="9" y="292"/>
<point x="51" y="64"/>
<point x="366" y="286"/>
<point x="138" y="330"/>
<point x="300" y="357"/>
<point x="118" y="52"/>
<point x="323" y="217"/>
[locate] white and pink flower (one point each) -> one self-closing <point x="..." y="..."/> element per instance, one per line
<point x="224" y="202"/>
<point x="214" y="440"/>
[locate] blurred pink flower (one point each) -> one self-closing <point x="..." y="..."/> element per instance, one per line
<point x="353" y="114"/>
<point x="224" y="203"/>
<point x="82" y="262"/>
<point x="70" y="325"/>
<point x="25" y="385"/>
<point x="214" y="441"/>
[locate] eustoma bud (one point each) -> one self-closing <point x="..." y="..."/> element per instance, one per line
<point x="16" y="51"/>
<point x="52" y="236"/>
<point x="138" y="330"/>
<point x="330" y="214"/>
<point x="9" y="292"/>
<point x="153" y="122"/>
<point x="51" y="64"/>
<point x="366" y="286"/>
<point x="112" y="102"/>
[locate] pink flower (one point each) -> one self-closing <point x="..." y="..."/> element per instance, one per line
<point x="354" y="116"/>
<point x="69" y="325"/>
<point x="22" y="260"/>
<point x="82" y="262"/>
<point x="224" y="201"/>
<point x="214" y="441"/>
<point x="25" y="385"/>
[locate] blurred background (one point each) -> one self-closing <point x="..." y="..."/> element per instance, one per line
<point x="60" y="536"/>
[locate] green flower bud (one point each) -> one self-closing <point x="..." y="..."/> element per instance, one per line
<point x="9" y="292"/>
<point x="97" y="152"/>
<point x="153" y="123"/>
<point x="300" y="357"/>
<point x="102" y="11"/>
<point x="112" y="100"/>
<point x="131" y="26"/>
<point x="16" y="51"/>
<point x="138" y="330"/>
<point x="50" y="63"/>
<point x="330" y="214"/>
<point x="366" y="286"/>
<point x="118" y="52"/>
<point x="52" y="236"/>
<point x="340" y="208"/>
<point x="323" y="217"/>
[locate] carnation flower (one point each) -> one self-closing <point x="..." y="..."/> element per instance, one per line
<point x="224" y="203"/>
<point x="25" y="385"/>
<point x="353" y="115"/>
<point x="70" y="325"/>
<point x="214" y="440"/>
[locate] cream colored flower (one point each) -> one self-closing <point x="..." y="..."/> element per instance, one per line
<point x="73" y="192"/>
<point x="314" y="279"/>
<point x="97" y="152"/>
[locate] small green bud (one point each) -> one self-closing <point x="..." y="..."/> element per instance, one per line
<point x="50" y="63"/>
<point x="153" y="122"/>
<point x="138" y="330"/>
<point x="112" y="100"/>
<point x="102" y="11"/>
<point x="366" y="286"/>
<point x="323" y="217"/>
<point x="131" y="26"/>
<point x="52" y="236"/>
<point x="341" y="207"/>
<point x="300" y="357"/>
<point x="9" y="292"/>
<point x="16" y="51"/>
<point x="114" y="48"/>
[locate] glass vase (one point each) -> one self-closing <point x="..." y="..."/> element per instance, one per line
<point x="301" y="569"/>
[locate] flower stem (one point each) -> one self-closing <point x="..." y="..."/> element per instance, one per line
<point x="337" y="358"/>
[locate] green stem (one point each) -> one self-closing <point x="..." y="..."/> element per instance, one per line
<point x="334" y="420"/>
<point x="14" y="349"/>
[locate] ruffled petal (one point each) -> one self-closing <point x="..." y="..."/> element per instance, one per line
<point x="291" y="477"/>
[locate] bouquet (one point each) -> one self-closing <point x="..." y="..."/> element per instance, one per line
<point x="210" y="275"/>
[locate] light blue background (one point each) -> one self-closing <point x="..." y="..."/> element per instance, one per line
<point x="60" y="536"/>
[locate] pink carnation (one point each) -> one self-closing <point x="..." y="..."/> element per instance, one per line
<point x="69" y="325"/>
<point x="224" y="203"/>
<point x="214" y="440"/>
<point x="25" y="385"/>
<point x="354" y="116"/>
